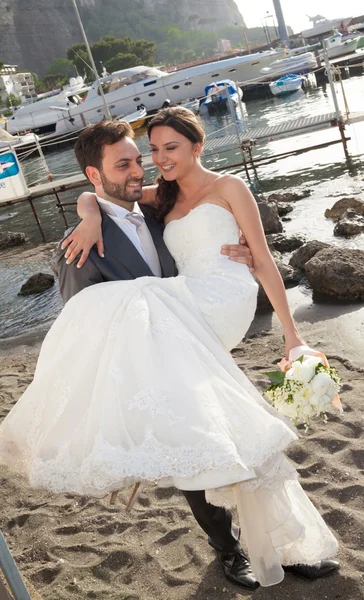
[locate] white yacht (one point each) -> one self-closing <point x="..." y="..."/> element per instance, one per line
<point x="126" y="90"/>
<point x="40" y="117"/>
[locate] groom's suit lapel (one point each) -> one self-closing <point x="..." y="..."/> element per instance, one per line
<point x="121" y="248"/>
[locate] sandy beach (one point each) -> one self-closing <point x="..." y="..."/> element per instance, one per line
<point x="79" y="547"/>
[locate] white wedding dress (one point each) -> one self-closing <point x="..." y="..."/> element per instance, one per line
<point x="135" y="383"/>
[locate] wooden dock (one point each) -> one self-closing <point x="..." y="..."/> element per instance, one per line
<point x="243" y="142"/>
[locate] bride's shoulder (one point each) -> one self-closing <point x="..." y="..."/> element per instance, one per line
<point x="230" y="184"/>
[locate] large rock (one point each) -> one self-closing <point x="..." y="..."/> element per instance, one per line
<point x="341" y="206"/>
<point x="37" y="284"/>
<point x="284" y="208"/>
<point x="351" y="223"/>
<point x="8" y="239"/>
<point x="285" y="243"/>
<point x="305" y="253"/>
<point x="288" y="196"/>
<point x="270" y="217"/>
<point x="337" y="272"/>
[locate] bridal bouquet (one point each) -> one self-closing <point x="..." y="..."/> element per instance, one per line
<point x="305" y="386"/>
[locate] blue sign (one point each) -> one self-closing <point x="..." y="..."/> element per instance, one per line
<point x="8" y="165"/>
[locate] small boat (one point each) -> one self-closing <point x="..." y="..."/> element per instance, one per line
<point x="288" y="84"/>
<point x="293" y="65"/>
<point x="217" y="96"/>
<point x="136" y="119"/>
<point x="338" y="45"/>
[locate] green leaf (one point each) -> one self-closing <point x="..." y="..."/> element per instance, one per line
<point x="276" y="377"/>
<point x="300" y="359"/>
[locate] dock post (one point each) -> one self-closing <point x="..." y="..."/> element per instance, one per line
<point x="331" y="80"/>
<point x="60" y="207"/>
<point x="341" y="127"/>
<point x="242" y="148"/>
<point x="37" y="219"/>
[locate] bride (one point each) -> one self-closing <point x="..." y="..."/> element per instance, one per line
<point x="135" y="382"/>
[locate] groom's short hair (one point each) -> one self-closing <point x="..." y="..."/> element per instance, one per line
<point x="91" y="141"/>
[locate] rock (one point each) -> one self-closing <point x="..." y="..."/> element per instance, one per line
<point x="290" y="276"/>
<point x="263" y="303"/>
<point x="37" y="284"/>
<point x="305" y="253"/>
<point x="337" y="272"/>
<point x="351" y="223"/>
<point x="8" y="239"/>
<point x="288" y="197"/>
<point x="284" y="208"/>
<point x="285" y="243"/>
<point x="341" y="206"/>
<point x="270" y="217"/>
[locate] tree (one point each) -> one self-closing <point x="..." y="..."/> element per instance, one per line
<point x="145" y="51"/>
<point x="62" y="67"/>
<point x="12" y="100"/>
<point x="115" y="53"/>
<point x="122" y="61"/>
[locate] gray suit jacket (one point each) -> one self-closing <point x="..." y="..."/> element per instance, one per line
<point x="122" y="260"/>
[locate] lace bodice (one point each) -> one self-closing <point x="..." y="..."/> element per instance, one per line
<point x="195" y="241"/>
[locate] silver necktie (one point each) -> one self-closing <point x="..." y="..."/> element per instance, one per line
<point x="146" y="242"/>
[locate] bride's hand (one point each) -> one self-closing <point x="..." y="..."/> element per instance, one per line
<point x="82" y="239"/>
<point x="292" y="340"/>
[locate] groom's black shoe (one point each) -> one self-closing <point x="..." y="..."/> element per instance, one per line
<point x="237" y="569"/>
<point x="320" y="569"/>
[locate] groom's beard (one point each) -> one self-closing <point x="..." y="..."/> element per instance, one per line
<point x="120" y="192"/>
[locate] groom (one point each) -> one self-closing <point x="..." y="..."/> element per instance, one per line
<point x="134" y="247"/>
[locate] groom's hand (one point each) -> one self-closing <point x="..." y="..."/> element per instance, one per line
<point x="239" y="253"/>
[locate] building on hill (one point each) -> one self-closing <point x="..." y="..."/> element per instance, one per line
<point x="223" y="46"/>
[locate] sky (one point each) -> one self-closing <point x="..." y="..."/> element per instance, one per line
<point x="295" y="13"/>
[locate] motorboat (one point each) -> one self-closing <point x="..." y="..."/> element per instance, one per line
<point x="218" y="96"/>
<point x="338" y="45"/>
<point x="295" y="65"/>
<point x="39" y="116"/>
<point x="125" y="90"/>
<point x="288" y="84"/>
<point x="322" y="27"/>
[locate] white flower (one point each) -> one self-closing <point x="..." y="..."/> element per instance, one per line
<point x="323" y="385"/>
<point x="304" y="371"/>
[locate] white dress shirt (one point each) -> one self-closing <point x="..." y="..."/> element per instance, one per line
<point x="117" y="214"/>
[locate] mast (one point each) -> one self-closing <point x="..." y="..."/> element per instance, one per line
<point x="282" y="29"/>
<point x="108" y="114"/>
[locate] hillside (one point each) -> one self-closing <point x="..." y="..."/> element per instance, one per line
<point x="34" y="32"/>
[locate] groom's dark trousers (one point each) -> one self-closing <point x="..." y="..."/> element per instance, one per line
<point x="122" y="261"/>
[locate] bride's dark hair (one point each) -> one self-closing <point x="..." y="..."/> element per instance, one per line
<point x="184" y="122"/>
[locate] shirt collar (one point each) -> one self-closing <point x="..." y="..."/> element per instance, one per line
<point x="114" y="210"/>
